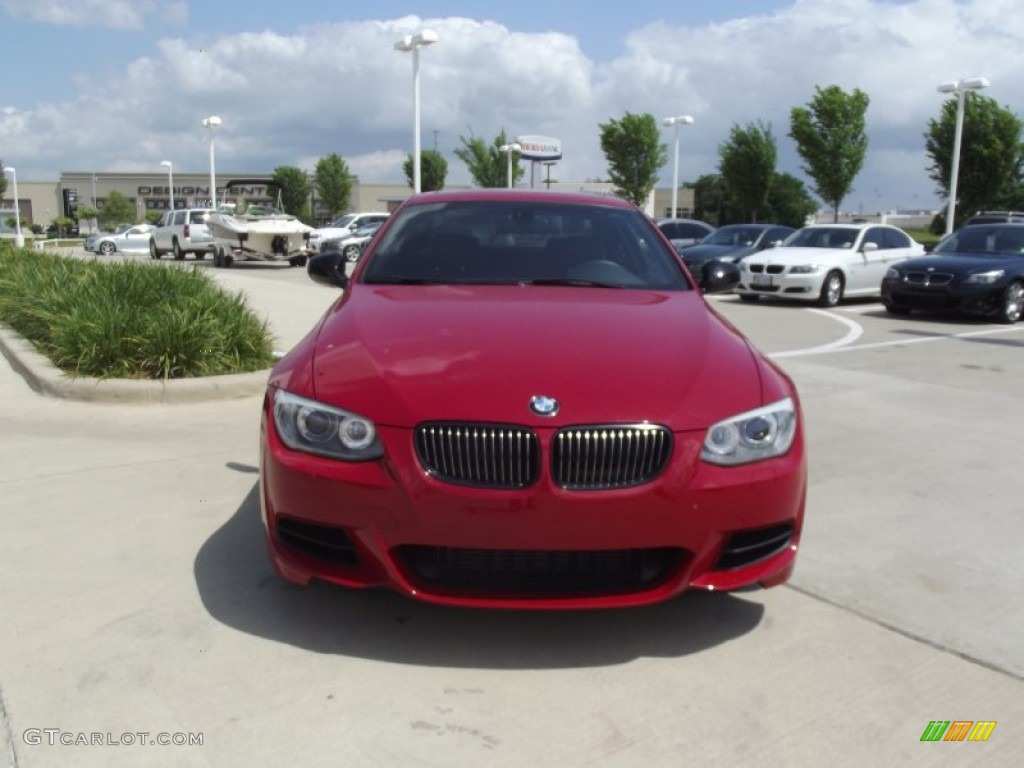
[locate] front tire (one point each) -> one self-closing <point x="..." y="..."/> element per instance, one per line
<point x="1013" y="304"/>
<point x="154" y="252"/>
<point x="107" y="248"/>
<point x="351" y="253"/>
<point x="831" y="290"/>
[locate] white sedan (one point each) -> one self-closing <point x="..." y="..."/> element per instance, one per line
<point x="825" y="263"/>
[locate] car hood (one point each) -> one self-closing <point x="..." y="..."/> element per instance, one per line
<point x="964" y="263"/>
<point x="709" y="252"/>
<point x="400" y="355"/>
<point x="796" y="255"/>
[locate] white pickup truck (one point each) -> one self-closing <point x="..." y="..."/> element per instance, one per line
<point x="180" y="232"/>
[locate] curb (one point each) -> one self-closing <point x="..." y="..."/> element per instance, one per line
<point x="44" y="377"/>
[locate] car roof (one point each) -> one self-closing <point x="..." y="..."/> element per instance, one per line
<point x="848" y="225"/>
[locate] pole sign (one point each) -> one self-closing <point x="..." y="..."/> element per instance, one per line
<point x="539" y="148"/>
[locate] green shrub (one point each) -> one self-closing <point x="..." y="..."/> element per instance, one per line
<point x="129" y="320"/>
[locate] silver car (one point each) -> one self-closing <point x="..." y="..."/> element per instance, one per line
<point x="133" y="238"/>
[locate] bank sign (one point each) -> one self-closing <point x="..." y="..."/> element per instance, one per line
<point x="539" y="147"/>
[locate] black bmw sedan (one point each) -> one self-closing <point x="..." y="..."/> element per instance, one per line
<point x="979" y="269"/>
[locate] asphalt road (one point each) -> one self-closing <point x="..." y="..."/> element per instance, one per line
<point x="139" y="597"/>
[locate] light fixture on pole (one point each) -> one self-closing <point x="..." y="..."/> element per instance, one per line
<point x="677" y="122"/>
<point x="960" y="88"/>
<point x="413" y="43"/>
<point x="547" y="166"/>
<point x="212" y="122"/>
<point x="170" y="179"/>
<point x="508" y="149"/>
<point x="19" y="238"/>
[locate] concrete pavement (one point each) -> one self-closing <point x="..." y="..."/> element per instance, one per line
<point x="139" y="597"/>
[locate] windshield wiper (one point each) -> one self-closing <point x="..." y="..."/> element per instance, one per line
<point x="570" y="281"/>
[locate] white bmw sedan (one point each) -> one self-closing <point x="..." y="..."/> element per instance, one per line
<point x="824" y="263"/>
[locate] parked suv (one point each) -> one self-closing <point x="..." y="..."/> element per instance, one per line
<point x="343" y="227"/>
<point x="182" y="231"/>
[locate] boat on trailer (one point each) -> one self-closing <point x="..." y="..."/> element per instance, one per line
<point x="257" y="231"/>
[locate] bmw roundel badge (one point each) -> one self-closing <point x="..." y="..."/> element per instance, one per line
<point x="543" y="405"/>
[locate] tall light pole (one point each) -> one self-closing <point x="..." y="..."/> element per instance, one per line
<point x="960" y="88"/>
<point x="508" y="149"/>
<point x="413" y="43"/>
<point x="212" y="122"/>
<point x="677" y="122"/>
<point x="170" y="179"/>
<point x="19" y="238"/>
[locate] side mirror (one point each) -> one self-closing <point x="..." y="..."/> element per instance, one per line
<point x="719" y="276"/>
<point x="928" y="247"/>
<point x="868" y="247"/>
<point x="328" y="269"/>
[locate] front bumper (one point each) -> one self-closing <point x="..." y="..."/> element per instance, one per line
<point x="389" y="523"/>
<point x="969" y="298"/>
<point x="806" y="287"/>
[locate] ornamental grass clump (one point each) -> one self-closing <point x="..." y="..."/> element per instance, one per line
<point x="129" y="320"/>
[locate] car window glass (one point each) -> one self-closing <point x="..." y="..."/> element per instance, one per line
<point x="198" y="217"/>
<point x="179" y="217"/>
<point x="522" y="241"/>
<point x="875" y="235"/>
<point x="894" y="238"/>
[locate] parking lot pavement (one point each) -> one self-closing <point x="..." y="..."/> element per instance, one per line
<point x="139" y="596"/>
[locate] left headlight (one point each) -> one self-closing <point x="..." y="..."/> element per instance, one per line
<point x="892" y="274"/>
<point x="751" y="436"/>
<point x="804" y="269"/>
<point x="986" y="278"/>
<point x="312" y="427"/>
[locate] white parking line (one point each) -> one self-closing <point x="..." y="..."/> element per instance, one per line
<point x="855" y="331"/>
<point x="918" y="340"/>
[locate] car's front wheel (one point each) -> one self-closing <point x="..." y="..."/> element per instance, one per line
<point x="107" y="248"/>
<point x="1012" y="305"/>
<point x="154" y="252"/>
<point x="831" y="290"/>
<point x="351" y="253"/>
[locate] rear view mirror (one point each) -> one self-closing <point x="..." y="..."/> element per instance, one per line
<point x="719" y="276"/>
<point x="328" y="269"/>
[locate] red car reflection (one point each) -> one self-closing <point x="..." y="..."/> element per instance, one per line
<point x="521" y="399"/>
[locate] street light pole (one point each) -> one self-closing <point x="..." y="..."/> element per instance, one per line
<point x="413" y="43"/>
<point x="508" y="149"/>
<point x="960" y="88"/>
<point x="212" y="122"/>
<point x="170" y="179"/>
<point x="677" y="122"/>
<point x="19" y="238"/>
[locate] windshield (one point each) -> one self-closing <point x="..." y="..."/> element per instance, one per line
<point x="733" y="236"/>
<point x="985" y="239"/>
<point x="823" y="237"/>
<point x="344" y="221"/>
<point x="524" y="242"/>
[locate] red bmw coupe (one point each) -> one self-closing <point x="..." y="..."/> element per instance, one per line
<point x="521" y="399"/>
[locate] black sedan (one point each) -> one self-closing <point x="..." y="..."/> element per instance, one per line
<point x="733" y="242"/>
<point x="979" y="269"/>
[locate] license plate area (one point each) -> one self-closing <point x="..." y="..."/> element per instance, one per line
<point x="762" y="280"/>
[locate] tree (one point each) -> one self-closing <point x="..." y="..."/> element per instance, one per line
<point x="789" y="202"/>
<point x="295" y="187"/>
<point x="711" y="200"/>
<point x="488" y="165"/>
<point x="635" y="155"/>
<point x="831" y="138"/>
<point x="433" y="170"/>
<point x="87" y="213"/>
<point x="153" y="217"/>
<point x="747" y="166"/>
<point x="991" y="154"/>
<point x="333" y="183"/>
<point x="116" y="210"/>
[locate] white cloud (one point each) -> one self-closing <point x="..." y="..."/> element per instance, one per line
<point x="115" y="14"/>
<point x="287" y="99"/>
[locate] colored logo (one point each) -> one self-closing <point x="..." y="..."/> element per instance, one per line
<point x="958" y="730"/>
<point x="543" y="405"/>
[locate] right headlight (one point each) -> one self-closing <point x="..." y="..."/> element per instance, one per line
<point x="892" y="274"/>
<point x="312" y="427"/>
<point x="762" y="433"/>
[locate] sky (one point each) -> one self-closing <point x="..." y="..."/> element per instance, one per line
<point x="119" y="85"/>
